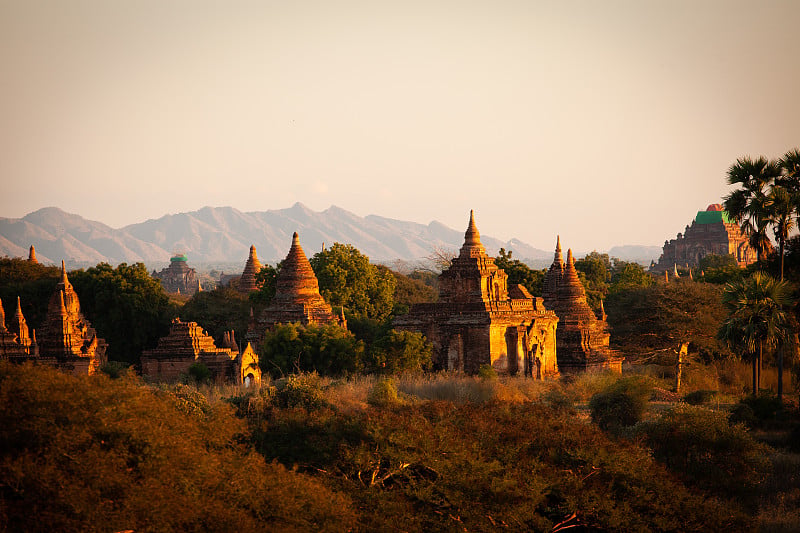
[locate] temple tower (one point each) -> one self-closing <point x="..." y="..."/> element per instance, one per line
<point x="582" y="338"/>
<point x="247" y="283"/>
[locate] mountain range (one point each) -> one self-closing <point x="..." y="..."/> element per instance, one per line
<point x="223" y="235"/>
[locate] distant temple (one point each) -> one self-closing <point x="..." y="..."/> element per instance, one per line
<point x="297" y="297"/>
<point x="67" y="340"/>
<point x="247" y="283"/>
<point x="188" y="344"/>
<point x="32" y="255"/>
<point x="712" y="232"/>
<point x="178" y="277"/>
<point x="582" y="338"/>
<point x="480" y="320"/>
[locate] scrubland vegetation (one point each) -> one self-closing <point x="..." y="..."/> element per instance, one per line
<point x="412" y="452"/>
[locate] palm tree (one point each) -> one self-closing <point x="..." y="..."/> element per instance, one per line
<point x="750" y="205"/>
<point x="782" y="205"/>
<point x="756" y="320"/>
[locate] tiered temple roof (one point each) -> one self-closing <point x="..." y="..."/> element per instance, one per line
<point x="712" y="232"/>
<point x="178" y="277"/>
<point x="480" y="320"/>
<point x="15" y="343"/>
<point x="297" y="297"/>
<point x="583" y="339"/>
<point x="66" y="335"/>
<point x="187" y="344"/>
<point x="247" y="283"/>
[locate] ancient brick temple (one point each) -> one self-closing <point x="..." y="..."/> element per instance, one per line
<point x="297" y="297"/>
<point x="15" y="342"/>
<point x="247" y="282"/>
<point x="188" y="344"/>
<point x="66" y="336"/>
<point x="583" y="339"/>
<point x="178" y="277"/>
<point x="480" y="320"/>
<point x="711" y="232"/>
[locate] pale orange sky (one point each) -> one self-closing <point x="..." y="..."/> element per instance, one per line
<point x="609" y="122"/>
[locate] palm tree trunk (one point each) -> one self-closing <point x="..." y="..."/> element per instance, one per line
<point x="760" y="357"/>
<point x="755" y="375"/>
<point x="780" y="373"/>
<point x="780" y="245"/>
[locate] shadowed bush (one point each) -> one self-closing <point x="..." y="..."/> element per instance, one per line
<point x="621" y="404"/>
<point x="700" y="445"/>
<point x="95" y="454"/>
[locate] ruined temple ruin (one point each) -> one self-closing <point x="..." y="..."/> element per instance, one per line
<point x="297" y="298"/>
<point x="712" y="232"/>
<point x="178" y="277"/>
<point x="66" y="337"/>
<point x="480" y="320"/>
<point x="582" y="337"/>
<point x="188" y="344"/>
<point x="15" y="342"/>
<point x="247" y="282"/>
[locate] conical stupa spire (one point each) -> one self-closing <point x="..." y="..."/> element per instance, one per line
<point x="64" y="279"/>
<point x="472" y="239"/>
<point x="247" y="283"/>
<point x="675" y="273"/>
<point x="570" y="260"/>
<point x="559" y="257"/>
<point x="296" y="281"/>
<point x="690" y="275"/>
<point x="2" y="317"/>
<point x="666" y="276"/>
<point x="603" y="315"/>
<point x="18" y="314"/>
<point x="32" y="255"/>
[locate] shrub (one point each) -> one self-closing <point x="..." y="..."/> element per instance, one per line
<point x="702" y="446"/>
<point x="115" y="369"/>
<point x="96" y="454"/>
<point x="699" y="397"/>
<point x="487" y="373"/>
<point x="559" y="400"/>
<point x="765" y="407"/>
<point x="300" y="390"/>
<point x="621" y="404"/>
<point x="383" y="394"/>
<point x="199" y="373"/>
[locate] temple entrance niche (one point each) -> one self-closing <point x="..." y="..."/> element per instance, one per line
<point x="455" y="353"/>
<point x="514" y="354"/>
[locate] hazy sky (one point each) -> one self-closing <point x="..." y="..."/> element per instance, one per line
<point x="609" y="122"/>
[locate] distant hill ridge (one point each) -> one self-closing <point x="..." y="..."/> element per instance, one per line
<point x="224" y="235"/>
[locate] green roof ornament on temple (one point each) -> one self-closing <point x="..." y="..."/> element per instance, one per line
<point x="713" y="214"/>
<point x="179" y="257"/>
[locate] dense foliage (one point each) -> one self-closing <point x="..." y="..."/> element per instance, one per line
<point x="347" y="278"/>
<point x="127" y="307"/>
<point x="409" y="290"/>
<point x="437" y="466"/>
<point x="95" y="454"/>
<point x="659" y="318"/>
<point x="33" y="283"/>
<point x="520" y="273"/>
<point x="218" y="311"/>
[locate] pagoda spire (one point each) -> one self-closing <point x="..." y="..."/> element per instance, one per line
<point x="63" y="308"/>
<point x="472" y="239"/>
<point x="2" y="317"/>
<point x="32" y="255"/>
<point x="558" y="258"/>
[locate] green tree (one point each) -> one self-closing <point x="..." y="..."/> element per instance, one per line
<point x="399" y="351"/>
<point x="659" y="318"/>
<point x="782" y="206"/>
<point x="718" y="268"/>
<point x="757" y="320"/>
<point x="627" y="275"/>
<point x="126" y="306"/>
<point x="749" y="205"/>
<point x="346" y="278"/>
<point x="409" y="291"/>
<point x="265" y="281"/>
<point x="520" y="273"/>
<point x="328" y="350"/>
<point x="33" y="283"/>
<point x="594" y="271"/>
<point x="218" y="311"/>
